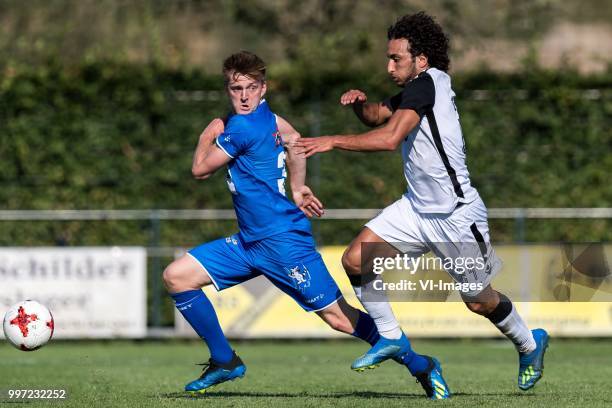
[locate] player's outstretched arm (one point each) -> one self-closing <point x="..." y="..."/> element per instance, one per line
<point x="296" y="165"/>
<point x="208" y="158"/>
<point x="384" y="138"/>
<point x="370" y="114"/>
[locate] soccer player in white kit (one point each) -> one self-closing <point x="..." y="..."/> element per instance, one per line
<point x="441" y="211"/>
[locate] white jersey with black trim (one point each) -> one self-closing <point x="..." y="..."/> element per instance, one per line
<point x="434" y="151"/>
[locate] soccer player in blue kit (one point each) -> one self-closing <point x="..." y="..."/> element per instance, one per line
<point x="274" y="237"/>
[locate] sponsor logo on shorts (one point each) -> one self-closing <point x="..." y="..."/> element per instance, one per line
<point x="315" y="299"/>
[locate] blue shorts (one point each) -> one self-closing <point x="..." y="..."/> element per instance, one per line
<point x="289" y="260"/>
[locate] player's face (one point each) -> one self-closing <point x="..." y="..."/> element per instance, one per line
<point x="245" y="93"/>
<point x="402" y="66"/>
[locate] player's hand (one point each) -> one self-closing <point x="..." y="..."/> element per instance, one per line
<point x="353" y="96"/>
<point x="307" y="202"/>
<point x="309" y="146"/>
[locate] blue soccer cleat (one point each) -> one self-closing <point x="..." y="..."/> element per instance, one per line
<point x="384" y="349"/>
<point x="216" y="373"/>
<point x="531" y="365"/>
<point x="432" y="381"/>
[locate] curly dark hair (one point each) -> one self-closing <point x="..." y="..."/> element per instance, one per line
<point x="425" y="37"/>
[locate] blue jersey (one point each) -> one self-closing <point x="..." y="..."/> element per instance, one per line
<point x="256" y="176"/>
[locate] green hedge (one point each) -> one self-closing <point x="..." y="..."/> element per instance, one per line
<point x="112" y="136"/>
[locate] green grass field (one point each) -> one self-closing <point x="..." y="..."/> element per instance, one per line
<point x="305" y="374"/>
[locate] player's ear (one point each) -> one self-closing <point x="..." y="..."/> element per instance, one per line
<point x="422" y="61"/>
<point x="264" y="88"/>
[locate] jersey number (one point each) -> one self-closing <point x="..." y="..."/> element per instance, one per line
<point x="280" y="163"/>
<point x="230" y="182"/>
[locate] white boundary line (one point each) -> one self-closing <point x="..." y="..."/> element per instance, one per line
<point x="226" y="214"/>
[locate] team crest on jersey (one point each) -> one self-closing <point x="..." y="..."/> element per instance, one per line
<point x="231" y="240"/>
<point x="300" y="276"/>
<point x="278" y="140"/>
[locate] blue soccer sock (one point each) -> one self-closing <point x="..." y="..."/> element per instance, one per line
<point x="366" y="329"/>
<point x="415" y="363"/>
<point x="199" y="312"/>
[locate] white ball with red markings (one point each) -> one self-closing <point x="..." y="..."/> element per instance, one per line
<point x="28" y="325"/>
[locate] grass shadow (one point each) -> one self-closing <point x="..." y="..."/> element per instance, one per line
<point x="336" y="395"/>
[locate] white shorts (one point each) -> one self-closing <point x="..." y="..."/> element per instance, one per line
<point x="464" y="233"/>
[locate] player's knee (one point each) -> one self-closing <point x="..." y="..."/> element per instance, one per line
<point x="168" y="276"/>
<point x="173" y="277"/>
<point x="480" y="308"/>
<point x="350" y="261"/>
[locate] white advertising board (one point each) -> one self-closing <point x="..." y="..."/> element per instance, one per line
<point x="92" y="292"/>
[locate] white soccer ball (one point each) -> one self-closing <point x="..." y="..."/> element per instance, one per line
<point x="28" y="325"/>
